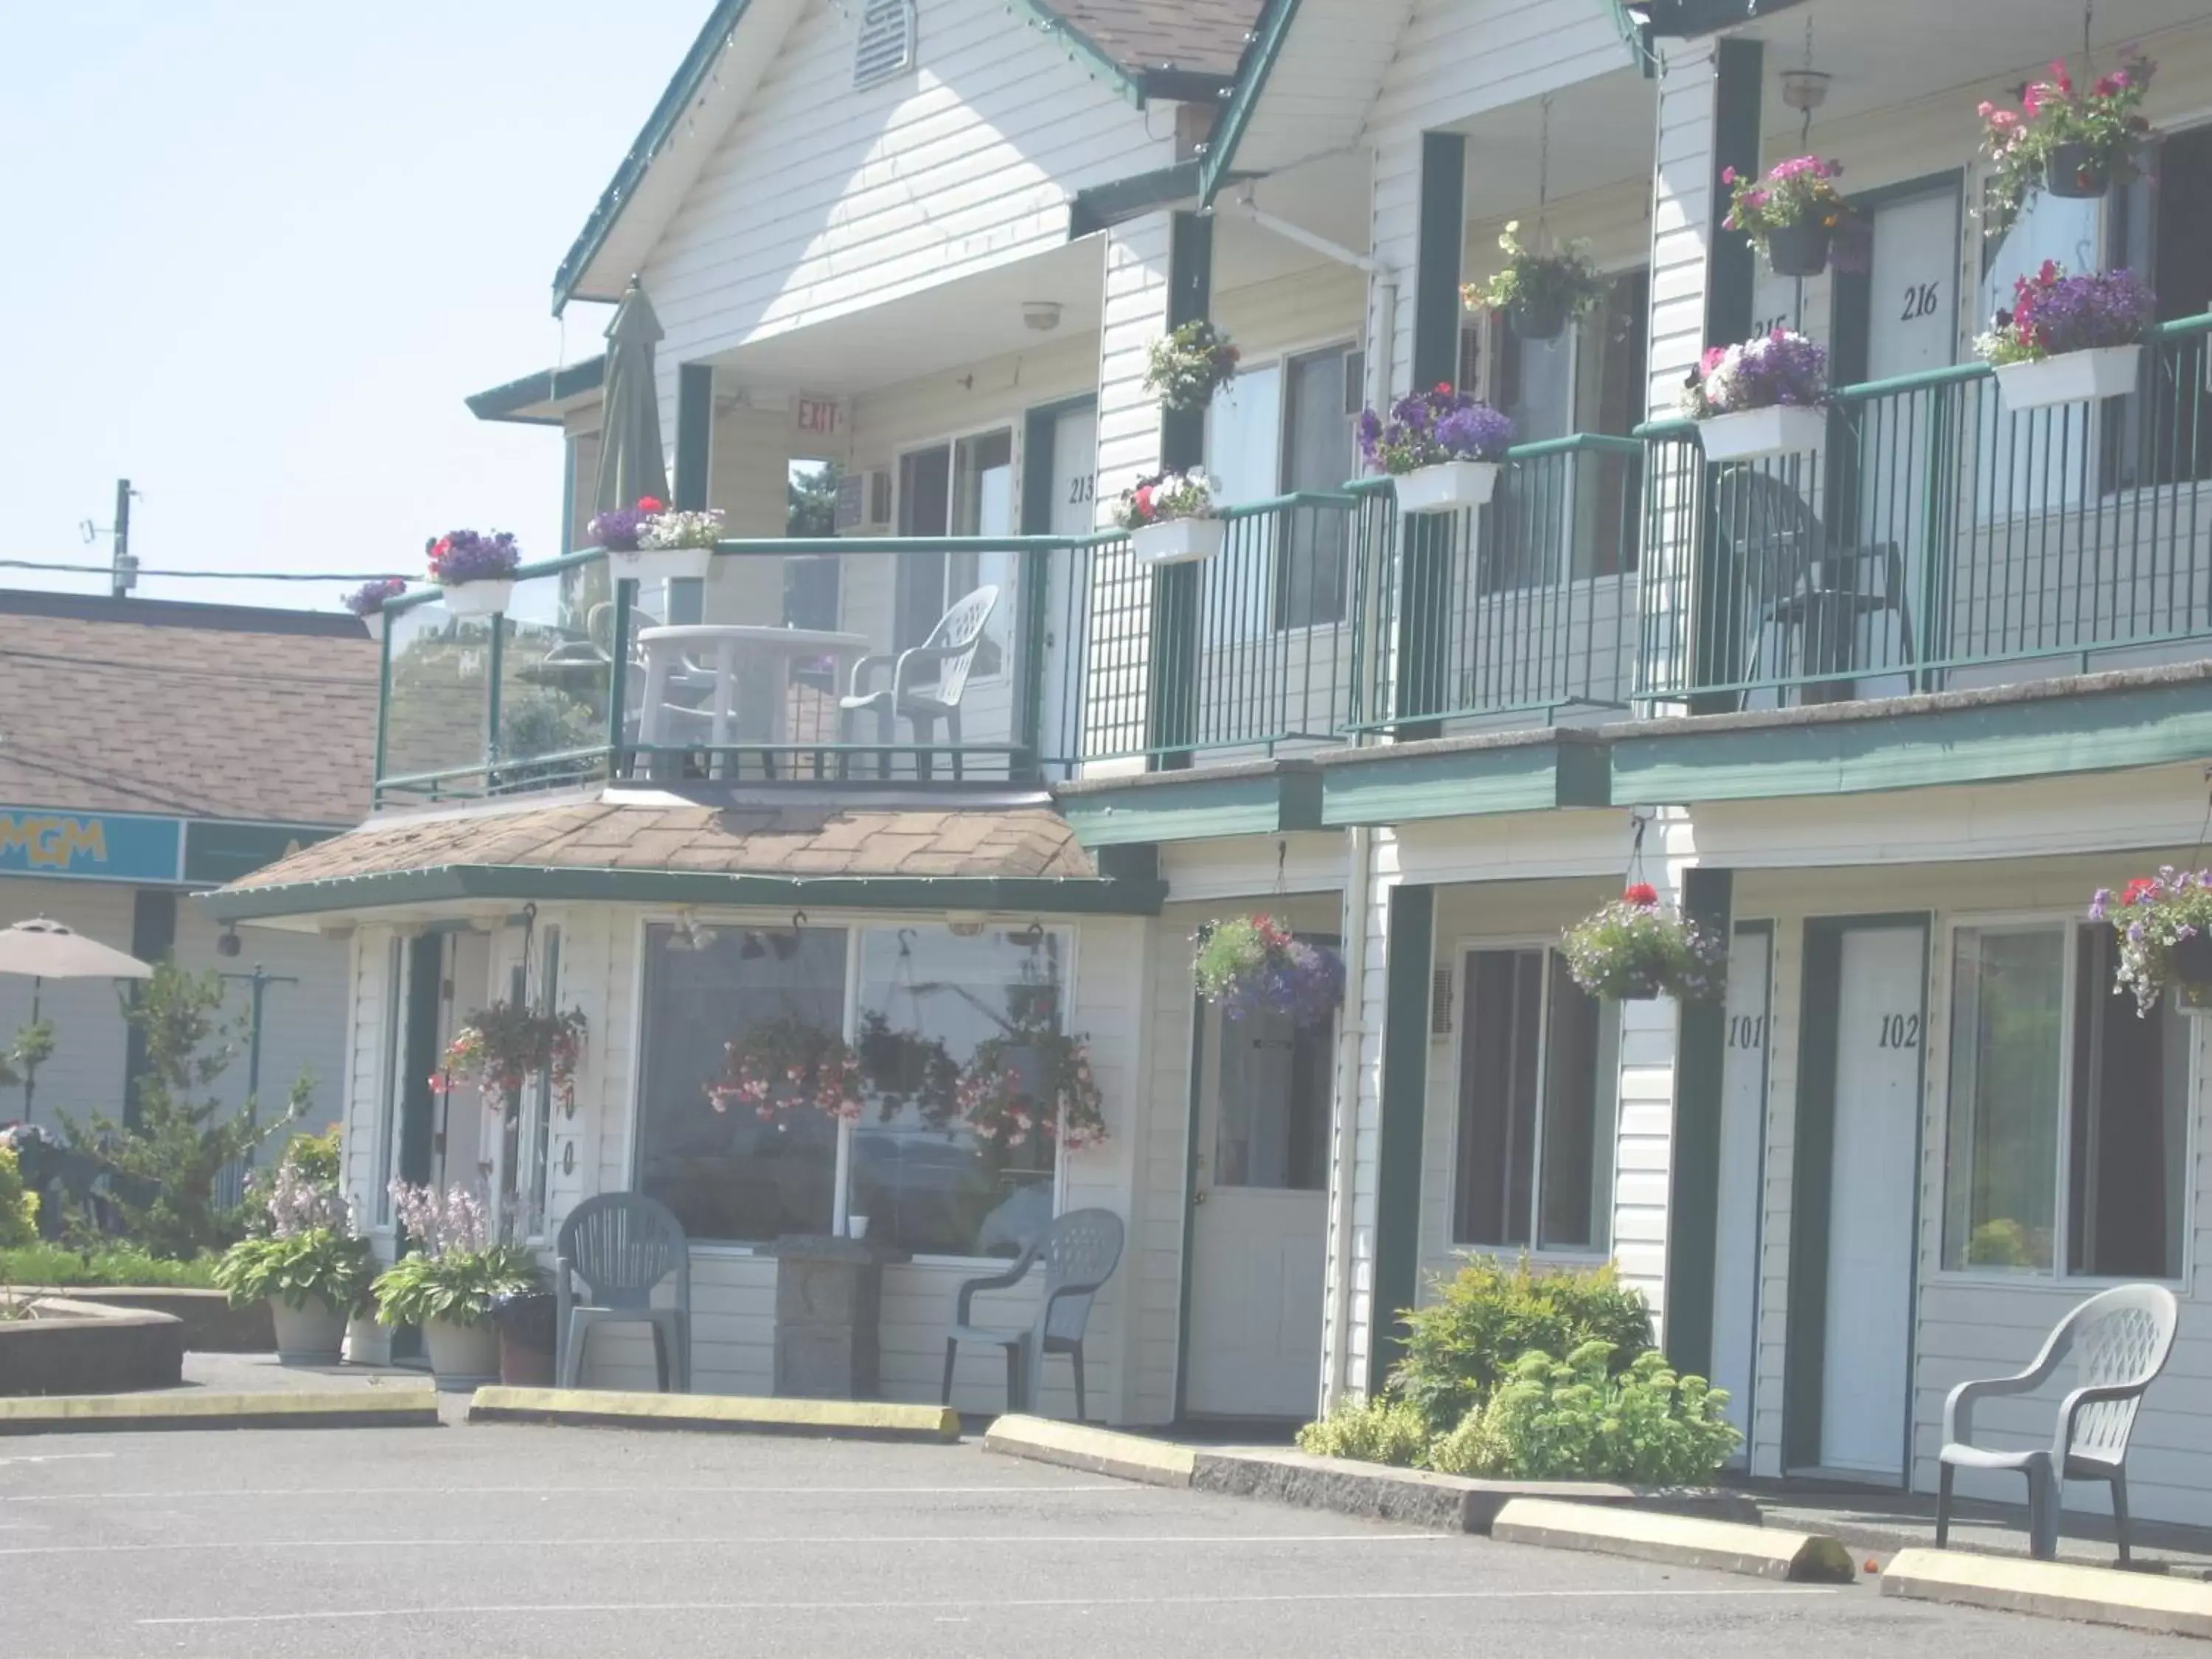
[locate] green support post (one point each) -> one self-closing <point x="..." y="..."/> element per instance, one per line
<point x="1408" y="963"/>
<point x="1693" y="1185"/>
<point x="1424" y="604"/>
<point x="695" y="456"/>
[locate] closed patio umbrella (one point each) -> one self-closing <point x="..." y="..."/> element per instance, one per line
<point x="41" y="949"/>
<point x="630" y="461"/>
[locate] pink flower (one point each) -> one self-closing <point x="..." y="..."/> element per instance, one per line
<point x="1728" y="174"/>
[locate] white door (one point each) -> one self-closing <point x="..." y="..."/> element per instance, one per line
<point x="1074" y="513"/>
<point x="1742" y="1150"/>
<point x="1259" y="1224"/>
<point x="1867" y="1358"/>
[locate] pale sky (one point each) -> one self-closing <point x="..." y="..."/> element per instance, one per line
<point x="258" y="251"/>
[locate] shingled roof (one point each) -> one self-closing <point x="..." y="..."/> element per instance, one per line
<point x="1201" y="37"/>
<point x="186" y="710"/>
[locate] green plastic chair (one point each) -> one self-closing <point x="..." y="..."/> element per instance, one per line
<point x="620" y="1246"/>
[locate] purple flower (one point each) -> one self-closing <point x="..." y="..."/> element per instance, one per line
<point x="618" y="530"/>
<point x="1777" y="368"/>
<point x="370" y="597"/>
<point x="469" y="556"/>
<point x="2057" y="313"/>
<point x="1477" y="433"/>
<point x="1427" y="428"/>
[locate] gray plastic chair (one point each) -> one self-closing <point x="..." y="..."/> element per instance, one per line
<point x="2122" y="1338"/>
<point x="950" y="651"/>
<point x="1079" y="1252"/>
<point x="622" y="1245"/>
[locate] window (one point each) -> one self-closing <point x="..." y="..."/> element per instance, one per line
<point x="1539" y="1074"/>
<point x="1310" y="578"/>
<point x="928" y="999"/>
<point x="728" y="1175"/>
<point x="2163" y="232"/>
<point x="963" y="489"/>
<point x="2068" y="1112"/>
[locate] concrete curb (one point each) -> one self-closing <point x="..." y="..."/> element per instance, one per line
<point x="2096" y="1596"/>
<point x="1676" y="1539"/>
<point x="1094" y="1451"/>
<point x="714" y="1413"/>
<point x="1442" y="1502"/>
<point x="366" y="1407"/>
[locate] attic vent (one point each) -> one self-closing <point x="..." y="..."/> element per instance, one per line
<point x="886" y="48"/>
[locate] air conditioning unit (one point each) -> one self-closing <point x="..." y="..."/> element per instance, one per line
<point x="864" y="503"/>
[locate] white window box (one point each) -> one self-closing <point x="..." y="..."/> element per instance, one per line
<point x="374" y="624"/>
<point x="2071" y="377"/>
<point x="1777" y="429"/>
<point x="1446" y="488"/>
<point x="478" y="598"/>
<point x="658" y="564"/>
<point x="1178" y="541"/>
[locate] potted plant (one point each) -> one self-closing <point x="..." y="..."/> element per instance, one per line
<point x="302" y="1256"/>
<point x="1539" y="293"/>
<point x="476" y="570"/>
<point x="500" y="1047"/>
<point x="2067" y="142"/>
<point x="1256" y="966"/>
<point x="650" y="543"/>
<point x="453" y="1283"/>
<point x="2068" y="338"/>
<point x="1169" y="519"/>
<point x="789" y="1065"/>
<point x="905" y="1066"/>
<point x="1033" y="1084"/>
<point x="1790" y="214"/>
<point x="2165" y="927"/>
<point x="1441" y="446"/>
<point x="1635" y="948"/>
<point x="1190" y="365"/>
<point x="367" y="602"/>
<point x="1764" y="397"/>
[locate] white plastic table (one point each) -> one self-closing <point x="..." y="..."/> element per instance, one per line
<point x="724" y="650"/>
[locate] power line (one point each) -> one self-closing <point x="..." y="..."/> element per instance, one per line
<point x="210" y="575"/>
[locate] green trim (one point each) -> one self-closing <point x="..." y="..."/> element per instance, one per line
<point x="1190" y="1155"/>
<point x="1196" y="806"/>
<point x="1693" y="1194"/>
<point x="1380" y="787"/>
<point x="1171" y="711"/>
<point x="1268" y="37"/>
<point x="1056" y="895"/>
<point x="1731" y="269"/>
<point x="694" y="461"/>
<point x="1425" y="574"/>
<point x="690" y="75"/>
<point x="1887" y="747"/>
<point x="548" y="386"/>
<point x="618" y="668"/>
<point x="1683" y="19"/>
<point x="1102" y="205"/>
<point x="1093" y="58"/>
<point x="1410" y="960"/>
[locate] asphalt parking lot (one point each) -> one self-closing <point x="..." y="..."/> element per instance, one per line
<point x="550" y="1542"/>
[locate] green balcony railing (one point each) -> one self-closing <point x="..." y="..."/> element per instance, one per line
<point x="1935" y="540"/>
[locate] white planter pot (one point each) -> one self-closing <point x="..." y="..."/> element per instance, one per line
<point x="2071" y="377"/>
<point x="484" y="599"/>
<point x="658" y="564"/>
<point x="367" y="1342"/>
<point x="1448" y="488"/>
<point x="1779" y="429"/>
<point x="1178" y="541"/>
<point x="374" y="624"/>
<point x="462" y="1355"/>
<point x="314" y="1334"/>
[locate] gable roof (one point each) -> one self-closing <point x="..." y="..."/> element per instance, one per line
<point x="187" y="710"/>
<point x="1203" y="40"/>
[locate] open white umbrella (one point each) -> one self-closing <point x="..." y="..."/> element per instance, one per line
<point x="41" y="949"/>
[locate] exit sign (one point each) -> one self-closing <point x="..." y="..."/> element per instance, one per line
<point x="820" y="417"/>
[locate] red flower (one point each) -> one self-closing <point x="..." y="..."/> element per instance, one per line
<point x="1445" y="389"/>
<point x="2059" y="78"/>
<point x="649" y="504"/>
<point x="1642" y="894"/>
<point x="2141" y="888"/>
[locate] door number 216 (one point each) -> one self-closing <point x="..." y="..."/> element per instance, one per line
<point x="1920" y="300"/>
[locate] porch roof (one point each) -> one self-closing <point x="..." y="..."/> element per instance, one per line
<point x="542" y="398"/>
<point x="700" y="848"/>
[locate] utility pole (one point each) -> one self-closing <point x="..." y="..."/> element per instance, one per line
<point x="125" y="576"/>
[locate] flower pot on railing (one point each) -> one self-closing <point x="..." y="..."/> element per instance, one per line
<point x="478" y="598"/>
<point x="1749" y="434"/>
<point x="1448" y="487"/>
<point x="2070" y="377"/>
<point x="2076" y="170"/>
<point x="1798" y="250"/>
<point x="658" y="564"/>
<point x="1178" y="541"/>
<point x="374" y="624"/>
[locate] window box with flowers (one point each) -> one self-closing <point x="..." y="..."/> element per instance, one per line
<point x="1539" y="293"/>
<point x="1190" y="365"/>
<point x="1790" y="216"/>
<point x="476" y="570"/>
<point x="1442" y="448"/>
<point x="1765" y="396"/>
<point x="1169" y="519"/>
<point x="1255" y="966"/>
<point x="1636" y="948"/>
<point x="2064" y="140"/>
<point x="2164" y="926"/>
<point x="367" y="602"/>
<point x="649" y="543"/>
<point x="2069" y="339"/>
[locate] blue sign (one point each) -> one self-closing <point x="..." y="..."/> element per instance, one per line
<point x="90" y="846"/>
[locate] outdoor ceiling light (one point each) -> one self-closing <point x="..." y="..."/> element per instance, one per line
<point x="964" y="924"/>
<point x="1040" y="316"/>
<point x="228" y="944"/>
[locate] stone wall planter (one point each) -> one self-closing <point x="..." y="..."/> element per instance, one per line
<point x="85" y="1348"/>
<point x="212" y="1324"/>
<point x="2071" y="377"/>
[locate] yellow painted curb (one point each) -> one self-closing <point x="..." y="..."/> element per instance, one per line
<point x="727" y="1413"/>
<point x="2060" y="1589"/>
<point x="1095" y="1451"/>
<point x="1679" y="1539"/>
<point x="364" y="1407"/>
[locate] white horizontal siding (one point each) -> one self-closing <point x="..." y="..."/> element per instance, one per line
<point x="84" y="1075"/>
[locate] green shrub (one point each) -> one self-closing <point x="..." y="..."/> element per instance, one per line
<point x="315" y="1159"/>
<point x="1373" y="1432"/>
<point x="124" y="1264"/>
<point x="457" y="1288"/>
<point x="19" y="1210"/>
<point x="320" y="1263"/>
<point x="1572" y="1420"/>
<point x="1488" y="1314"/>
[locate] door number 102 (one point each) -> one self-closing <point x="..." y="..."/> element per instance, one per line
<point x="1899" y="1031"/>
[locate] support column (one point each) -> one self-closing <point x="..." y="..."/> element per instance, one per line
<point x="1174" y="645"/>
<point x="1424" y="571"/>
<point x="1409" y="959"/>
<point x="694" y="457"/>
<point x="1693" y="1194"/>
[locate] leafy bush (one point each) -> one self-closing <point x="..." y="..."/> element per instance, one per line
<point x="1488" y="1314"/>
<point x="1373" y="1432"/>
<point x="320" y="1263"/>
<point x="315" y="1159"/>
<point x="19" y="1210"/>
<point x="1571" y="1420"/>
<point x="457" y="1287"/>
<point x="54" y="1264"/>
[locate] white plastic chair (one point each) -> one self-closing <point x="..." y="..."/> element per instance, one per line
<point x="950" y="651"/>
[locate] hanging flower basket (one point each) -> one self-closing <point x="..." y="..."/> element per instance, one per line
<point x="1033" y="1084"/>
<point x="1190" y="365"/>
<point x="1255" y="966"/>
<point x="1539" y="293"/>
<point x="2069" y="339"/>
<point x="905" y="1067"/>
<point x="2165" y="927"/>
<point x="1799" y="250"/>
<point x="2066" y="141"/>
<point x="648" y="543"/>
<point x="1634" y="948"/>
<point x="501" y="1046"/>
<point x="787" y="1066"/>
<point x="1790" y="214"/>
